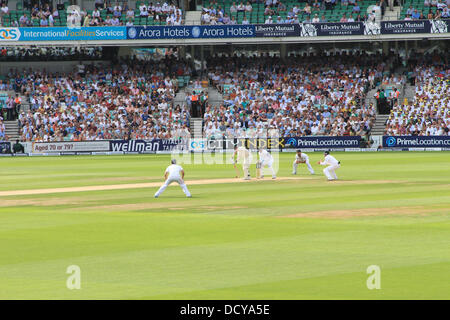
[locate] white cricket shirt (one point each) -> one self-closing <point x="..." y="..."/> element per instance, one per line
<point x="174" y="171"/>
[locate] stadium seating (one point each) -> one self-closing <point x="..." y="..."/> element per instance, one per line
<point x="257" y="15"/>
<point x="312" y="95"/>
<point x="428" y="113"/>
<point x="416" y="4"/>
<point x="12" y="18"/>
<point x="133" y="99"/>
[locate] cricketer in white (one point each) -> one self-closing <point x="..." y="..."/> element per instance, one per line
<point x="243" y="155"/>
<point x="332" y="164"/>
<point x="301" y="157"/>
<point x="266" y="160"/>
<point x="173" y="173"/>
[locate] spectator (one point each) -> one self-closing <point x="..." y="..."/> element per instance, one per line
<point x="115" y="21"/>
<point x="87" y="21"/>
<point x="44" y="22"/>
<point x="55" y="13"/>
<point x="410" y="10"/>
<point x="143" y="12"/>
<point x="96" y="13"/>
<point x="226" y="19"/>
<point x="415" y="15"/>
<point x="18" y="147"/>
<point x="233" y="8"/>
<point x="129" y="22"/>
<point x="10" y="109"/>
<point x="307" y="10"/>
<point x="282" y="7"/>
<point x="117" y="11"/>
<point x="130" y="14"/>
<point x="108" y="21"/>
<point x="51" y="21"/>
<point x="441" y="5"/>
<point x="268" y="11"/>
<point x="24" y="21"/>
<point x="279" y="20"/>
<point x="4" y="9"/>
<point x="446" y="12"/>
<point x="117" y="8"/>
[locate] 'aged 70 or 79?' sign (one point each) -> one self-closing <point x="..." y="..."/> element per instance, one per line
<point x="69" y="146"/>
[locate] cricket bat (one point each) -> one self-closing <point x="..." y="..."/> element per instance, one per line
<point x="236" y="169"/>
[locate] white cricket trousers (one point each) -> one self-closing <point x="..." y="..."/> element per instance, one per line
<point x="330" y="171"/>
<point x="269" y="165"/>
<point x="246" y="169"/>
<point x="295" y="165"/>
<point x="169" y="181"/>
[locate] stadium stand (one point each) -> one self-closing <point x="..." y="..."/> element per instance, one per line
<point x="287" y="11"/>
<point x="428" y="113"/>
<point x="128" y="100"/>
<point x="425" y="9"/>
<point x="309" y="95"/>
<point x="46" y="14"/>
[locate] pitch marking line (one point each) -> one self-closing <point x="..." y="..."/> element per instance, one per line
<point x="133" y="186"/>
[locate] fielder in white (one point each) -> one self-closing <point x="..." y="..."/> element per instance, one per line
<point x="301" y="157"/>
<point x="265" y="160"/>
<point x="173" y="173"/>
<point x="242" y="154"/>
<point x="332" y="164"/>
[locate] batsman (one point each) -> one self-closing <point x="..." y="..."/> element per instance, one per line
<point x="242" y="154"/>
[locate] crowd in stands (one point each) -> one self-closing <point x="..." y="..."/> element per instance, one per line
<point x="118" y="15"/>
<point x="170" y="13"/>
<point x="277" y="12"/>
<point x="311" y="95"/>
<point x="431" y="9"/>
<point x="212" y="15"/>
<point x="49" y="53"/>
<point x="128" y="100"/>
<point x="106" y="13"/>
<point x="428" y="114"/>
<point x="41" y="13"/>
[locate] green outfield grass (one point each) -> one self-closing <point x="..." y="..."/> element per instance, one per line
<point x="285" y="239"/>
